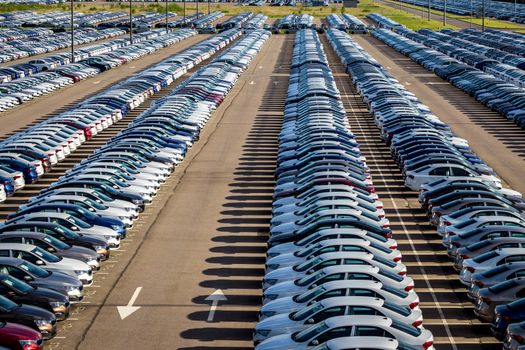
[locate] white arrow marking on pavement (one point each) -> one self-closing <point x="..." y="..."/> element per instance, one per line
<point x="125" y="311"/>
<point x="215" y="297"/>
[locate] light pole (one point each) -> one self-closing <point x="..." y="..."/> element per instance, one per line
<point x="184" y="13"/>
<point x="515" y="7"/>
<point x="197" y="12"/>
<point x="483" y="16"/>
<point x="130" y="25"/>
<point x="209" y="7"/>
<point x="428" y="11"/>
<point x="445" y="14"/>
<point x="471" y="18"/>
<point x="166" y="16"/>
<point x="72" y="34"/>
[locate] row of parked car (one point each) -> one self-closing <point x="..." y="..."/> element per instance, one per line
<point x="25" y="33"/>
<point x="55" y="19"/>
<point x="235" y="21"/>
<point x="256" y="22"/>
<point x="334" y="277"/>
<point x="296" y="22"/>
<point x="482" y="224"/>
<point x="25" y="47"/>
<point x="347" y="22"/>
<point x="25" y="89"/>
<point x="51" y="247"/>
<point x="506" y="98"/>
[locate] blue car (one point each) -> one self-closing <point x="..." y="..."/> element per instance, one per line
<point x="29" y="171"/>
<point x="507" y="314"/>
<point x="76" y="211"/>
<point x="9" y="185"/>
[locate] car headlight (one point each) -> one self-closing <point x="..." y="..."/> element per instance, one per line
<point x="80" y="272"/>
<point x="108" y="237"/>
<point x="41" y="323"/>
<point x="27" y="344"/>
<point x="136" y="201"/>
<point x="100" y="247"/>
<point x="56" y="304"/>
<point x="71" y="288"/>
<point x="263" y="332"/>
<point x="116" y="227"/>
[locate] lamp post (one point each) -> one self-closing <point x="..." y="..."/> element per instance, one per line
<point x="428" y="11"/>
<point x="445" y="14"/>
<point x="197" y="11"/>
<point x="130" y="25"/>
<point x="483" y="16"/>
<point x="209" y="7"/>
<point x="166" y="16"/>
<point x="184" y="13"/>
<point x="72" y="34"/>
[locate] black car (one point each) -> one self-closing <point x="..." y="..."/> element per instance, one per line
<point x="34" y="317"/>
<point x="22" y="293"/>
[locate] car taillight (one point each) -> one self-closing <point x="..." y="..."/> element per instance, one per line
<point x="379" y="206"/>
<point x="447" y="223"/>
<point x="456" y="244"/>
<point x="487" y="301"/>
<point x="402" y="273"/>
<point x="409" y="288"/>
<point x="413" y="304"/>
<point x="417" y="323"/>
<point x="479" y="284"/>
<point x="451" y="233"/>
<point x="463" y="256"/>
<point x="505" y="318"/>
<point x="393" y="246"/>
<point x="427" y="344"/>
<point x="471" y="269"/>
<point x="386" y="225"/>
<point x="16" y="177"/>
<point x="518" y="338"/>
<point x="412" y="178"/>
<point x="397" y="259"/>
<point x="51" y="154"/>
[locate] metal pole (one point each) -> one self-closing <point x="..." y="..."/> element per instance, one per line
<point x="471" y="18"/>
<point x="515" y="7"/>
<point x="208" y="6"/>
<point x="197" y="11"/>
<point x="130" y="25"/>
<point x="166" y="16"/>
<point x="445" y="14"/>
<point x="72" y="34"/>
<point x="483" y="16"/>
<point x="428" y="11"/>
<point x="184" y="14"/>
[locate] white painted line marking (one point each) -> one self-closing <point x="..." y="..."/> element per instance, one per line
<point x="125" y="311"/>
<point x="96" y="82"/>
<point x="215" y="297"/>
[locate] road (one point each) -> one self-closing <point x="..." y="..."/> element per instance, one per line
<point x="206" y="230"/>
<point x="446" y="309"/>
<point x="42" y="108"/>
<point x="499" y="142"/>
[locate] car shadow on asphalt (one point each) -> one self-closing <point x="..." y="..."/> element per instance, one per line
<point x="239" y="250"/>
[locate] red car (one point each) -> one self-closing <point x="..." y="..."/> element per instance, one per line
<point x="18" y="337"/>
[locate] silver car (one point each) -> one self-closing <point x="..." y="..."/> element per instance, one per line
<point x="293" y="322"/>
<point x="501" y="293"/>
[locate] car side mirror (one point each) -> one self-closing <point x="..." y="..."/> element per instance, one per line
<point x="310" y="320"/>
<point x="315" y="342"/>
<point x="39" y="262"/>
<point x="28" y="278"/>
<point x="74" y="228"/>
<point x="91" y="210"/>
<point x="51" y="250"/>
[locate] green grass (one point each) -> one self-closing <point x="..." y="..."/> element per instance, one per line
<point x="489" y="22"/>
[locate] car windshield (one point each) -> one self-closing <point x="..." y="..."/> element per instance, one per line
<point x="56" y="243"/>
<point x="17" y="285"/>
<point x="34" y="270"/>
<point x="45" y="255"/>
<point x="86" y="213"/>
<point x="310" y="332"/>
<point x="503" y="286"/>
<point x="390" y="275"/>
<point x="102" y="196"/>
<point x="308" y="295"/>
<point x="413" y="331"/>
<point x="495" y="271"/>
<point x="68" y="233"/>
<point x="399" y="293"/>
<point x="6" y="304"/>
<point x="78" y="222"/>
<point x="95" y="205"/>
<point x="306" y="313"/>
<point x="307" y="264"/>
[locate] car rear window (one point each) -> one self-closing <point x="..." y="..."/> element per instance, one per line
<point x="413" y="331"/>
<point x="495" y="271"/>
<point x="484" y="257"/>
<point x="500" y="287"/>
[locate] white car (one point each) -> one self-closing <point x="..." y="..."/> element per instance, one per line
<point x="489" y="260"/>
<point x="48" y="261"/>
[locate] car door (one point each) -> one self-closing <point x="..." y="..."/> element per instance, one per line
<point x="326" y="313"/>
<point x="20" y="254"/>
<point x="371" y="331"/>
<point x="333" y="333"/>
